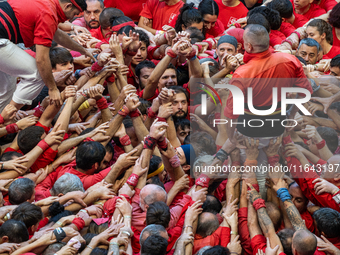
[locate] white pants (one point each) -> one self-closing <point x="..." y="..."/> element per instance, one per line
<point x="16" y="63"/>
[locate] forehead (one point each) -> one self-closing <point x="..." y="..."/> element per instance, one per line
<point x="142" y="44"/>
<point x="309" y="49"/>
<point x="146" y="70"/>
<point x="226" y="46"/>
<point x="169" y="71"/>
<point x="210" y="18"/>
<point x="295" y="190"/>
<point x="180" y="97"/>
<point x="93" y="5"/>
<point x="311" y="29"/>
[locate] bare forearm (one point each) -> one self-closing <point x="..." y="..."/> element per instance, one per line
<point x="294" y="215"/>
<point x="63" y="39"/>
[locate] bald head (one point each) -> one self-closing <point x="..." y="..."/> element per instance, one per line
<point x="207" y="224"/>
<point x="152" y="193"/>
<point x="304" y="243"/>
<point x="256" y="39"/>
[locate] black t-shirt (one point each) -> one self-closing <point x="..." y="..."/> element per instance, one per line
<point x="9" y="27"/>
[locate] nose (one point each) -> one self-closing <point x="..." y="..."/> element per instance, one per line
<point x="139" y="52"/>
<point x="209" y="26"/>
<point x="70" y="66"/>
<point x="92" y="15"/>
<point x="180" y="106"/>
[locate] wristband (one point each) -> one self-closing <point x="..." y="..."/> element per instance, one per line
<point x="283" y="194"/>
<point x="102" y="103"/>
<point x="161" y="119"/>
<point x="88" y="246"/>
<point x="135" y="113"/>
<point x="287" y="41"/>
<point x="233" y="233"/>
<point x="273" y="160"/>
<point x="43" y="145"/>
<point x="96" y="67"/>
<point x="171" y="53"/>
<point x="221" y="155"/>
<point x="133" y="180"/>
<point x="127" y="217"/>
<point x="174" y="161"/>
<point x="38" y="111"/>
<point x="151" y="114"/>
<point x="84" y="106"/>
<point x="321" y="144"/>
<point x="60" y="224"/>
<point x="236" y="163"/>
<point x="203" y="181"/>
<point x="98" y="45"/>
<point x="111" y="78"/>
<point x="88" y="139"/>
<point x="297" y="33"/>
<point x="2" y="121"/>
<point x="77" y="74"/>
<point x="124" y="111"/>
<point x="149" y="143"/>
<point x="59" y="234"/>
<point x="126" y="232"/>
<point x="199" y="47"/>
<point x="12" y="128"/>
<point x="79" y="222"/>
<point x="210" y="44"/>
<point x="163" y="144"/>
<point x="192" y="54"/>
<point x="256" y="186"/>
<point x="125" y="140"/>
<point x="259" y="203"/>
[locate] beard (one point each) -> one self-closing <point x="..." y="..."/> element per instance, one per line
<point x="96" y="22"/>
<point x="179" y="115"/>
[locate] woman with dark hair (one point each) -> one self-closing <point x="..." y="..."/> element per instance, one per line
<point x="189" y="16"/>
<point x="213" y="27"/>
<point x="321" y="32"/>
<point x="334" y="20"/>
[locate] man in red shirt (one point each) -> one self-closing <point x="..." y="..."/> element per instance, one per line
<point x="35" y="23"/>
<point x="91" y="15"/>
<point x="156" y="14"/>
<point x="308" y="9"/>
<point x="230" y="11"/>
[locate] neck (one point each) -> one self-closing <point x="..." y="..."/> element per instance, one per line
<point x="81" y="170"/>
<point x="291" y="19"/>
<point x="337" y="32"/>
<point x="303" y="10"/>
<point x="171" y="2"/>
<point x="231" y="3"/>
<point x="326" y="47"/>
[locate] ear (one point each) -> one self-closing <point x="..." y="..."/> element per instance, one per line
<point x="146" y="207"/>
<point x="186" y="167"/>
<point x="337" y="177"/>
<point x="183" y="27"/>
<point x="239" y="46"/>
<point x="283" y="19"/>
<point x="95" y="166"/>
<point x="137" y="79"/>
<point x="32" y="229"/>
<point x="322" y="233"/>
<point x="4" y="239"/>
<point x="60" y="194"/>
<point x="323" y="36"/>
<point x="67" y="6"/>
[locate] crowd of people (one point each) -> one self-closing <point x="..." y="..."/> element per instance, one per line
<point x="108" y="134"/>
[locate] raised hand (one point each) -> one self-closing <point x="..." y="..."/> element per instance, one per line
<point x="158" y="129"/>
<point x="27" y="122"/>
<point x="8" y="113"/>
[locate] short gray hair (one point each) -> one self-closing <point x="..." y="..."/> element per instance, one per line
<point x="67" y="183"/>
<point x="258" y="37"/>
<point x="152" y="229"/>
<point x="310" y="43"/>
<point x="100" y="1"/>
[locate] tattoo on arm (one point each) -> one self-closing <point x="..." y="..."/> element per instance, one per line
<point x="114" y="248"/>
<point x="265" y="222"/>
<point x="294" y="215"/>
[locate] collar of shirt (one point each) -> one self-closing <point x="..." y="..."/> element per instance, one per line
<point x="61" y="15"/>
<point x="249" y="56"/>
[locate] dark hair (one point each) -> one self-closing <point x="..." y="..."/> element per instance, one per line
<point x="208" y="7"/>
<point x="20" y="191"/>
<point x="322" y="27"/>
<point x="97" y="229"/>
<point x="88" y="236"/>
<point x="259" y="19"/>
<point x="29" y="138"/>
<point x="9" y="156"/>
<point x="328" y="221"/>
<point x="171" y="66"/>
<point x="335" y="61"/>
<point x="99" y="251"/>
<point x="286" y="238"/>
<point x="88" y="154"/>
<point x="144" y="64"/>
<point x="154" y="163"/>
<point x="126" y="30"/>
<point x="28" y="213"/>
<point x="15" y="230"/>
<point x="217" y="250"/>
<point x="203" y="143"/>
<point x="60" y="215"/>
<point x="330" y="136"/>
<point x="143" y="37"/>
<point x="271" y="15"/>
<point x="154" y="245"/>
<point x="82" y="3"/>
<point x="109" y="148"/>
<point x="187" y="139"/>
<point x="284" y="7"/>
<point x="179" y="89"/>
<point x="108" y="15"/>
<point x="334" y="16"/>
<point x="188" y="15"/>
<point x="214" y="69"/>
<point x="182" y="123"/>
<point x="158" y="213"/>
<point x="155" y="180"/>
<point x="335" y="106"/>
<point x="144" y="105"/>
<point x="205" y="227"/>
<point x="120" y="20"/>
<point x="59" y="55"/>
<point x="301" y="60"/>
<point x="55" y="208"/>
<point x="127" y="122"/>
<point x="196" y="35"/>
<point x="212" y="205"/>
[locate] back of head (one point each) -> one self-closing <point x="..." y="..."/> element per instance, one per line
<point x="259" y="19"/>
<point x="67" y="183"/>
<point x="217" y="250"/>
<point x="322" y="27"/>
<point x="304" y="242"/>
<point x="88" y="154"/>
<point x="310" y="43"/>
<point x="334" y="16"/>
<point x="284" y="7"/>
<point x="29" y="138"/>
<point x="330" y="136"/>
<point x="257" y="36"/>
<point x="188" y="15"/>
<point x="154" y="245"/>
<point x="143" y="37"/>
<point x="15" y="230"/>
<point x="10" y="155"/>
<point x="28" y="213"/>
<point x="108" y="15"/>
<point x="153" y="193"/>
<point x="81" y="3"/>
<point x="335" y="62"/>
<point x="214" y="68"/>
<point x="271" y="15"/>
<point x="59" y="55"/>
<point x="328" y="222"/>
<point x="155" y="161"/>
<point x="150" y="230"/>
<point x="158" y="213"/>
<point x="286" y="238"/>
<point x="208" y="7"/>
<point x="212" y="205"/>
<point x="274" y="214"/>
<point x="21" y="190"/>
<point x="203" y="143"/>
<point x="120" y="22"/>
<point x="196" y="35"/>
<point x="207" y="224"/>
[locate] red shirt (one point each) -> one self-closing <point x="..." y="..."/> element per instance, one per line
<point x="299" y="20"/>
<point x="336" y="40"/>
<point x="327" y="5"/>
<point x="314" y="11"/>
<point x="160" y="13"/>
<point x="276" y="37"/>
<point x="287" y="28"/>
<point x="131" y="8"/>
<point x="38" y="20"/>
<point x="220" y="237"/>
<point x="243" y="230"/>
<point x="335" y="50"/>
<point x="97" y="33"/>
<point x="215" y="31"/>
<point x="228" y="15"/>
